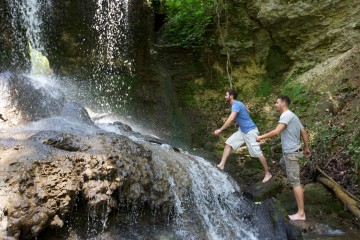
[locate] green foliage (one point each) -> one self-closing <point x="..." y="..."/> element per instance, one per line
<point x="330" y="134"/>
<point x="298" y="94"/>
<point x="277" y="63"/>
<point x="265" y="87"/>
<point x="353" y="149"/>
<point x="187" y="22"/>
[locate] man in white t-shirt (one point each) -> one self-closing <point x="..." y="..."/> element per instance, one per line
<point x="291" y="131"/>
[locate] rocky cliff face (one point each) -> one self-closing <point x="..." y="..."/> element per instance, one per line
<point x="290" y="35"/>
<point x="308" y="50"/>
<point x="275" y="45"/>
<point x="264" y="45"/>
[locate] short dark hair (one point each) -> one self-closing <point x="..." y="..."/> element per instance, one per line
<point x="285" y="99"/>
<point x="233" y="93"/>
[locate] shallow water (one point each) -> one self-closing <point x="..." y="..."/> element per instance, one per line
<point x="350" y="234"/>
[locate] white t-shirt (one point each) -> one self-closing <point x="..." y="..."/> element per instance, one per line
<point x="290" y="136"/>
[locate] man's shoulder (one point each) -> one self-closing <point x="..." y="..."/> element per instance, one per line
<point x="286" y="116"/>
<point x="239" y="103"/>
<point x="287" y="113"/>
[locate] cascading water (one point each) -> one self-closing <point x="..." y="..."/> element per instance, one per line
<point x="111" y="23"/>
<point x="27" y="23"/>
<point x="114" y="66"/>
<point x="28" y="12"/>
<point x="205" y="203"/>
<point x="212" y="210"/>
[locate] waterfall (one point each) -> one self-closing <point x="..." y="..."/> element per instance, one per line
<point x="212" y="209"/>
<point x="28" y="12"/>
<point x="207" y="202"/>
<point x="112" y="25"/>
<point x="113" y="62"/>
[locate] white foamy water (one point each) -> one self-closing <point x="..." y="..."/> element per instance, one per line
<point x="213" y="206"/>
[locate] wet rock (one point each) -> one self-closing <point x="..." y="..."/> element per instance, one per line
<point x="127" y="131"/>
<point x="64" y="141"/>
<point x="75" y="112"/>
<point x="270" y="211"/>
<point x="42" y="175"/>
<point x="25" y="99"/>
<point x="260" y="191"/>
<point x="310" y="227"/>
<point x="122" y="127"/>
<point x="57" y="222"/>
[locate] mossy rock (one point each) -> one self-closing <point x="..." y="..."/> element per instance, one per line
<point x="260" y="191"/>
<point x="320" y="203"/>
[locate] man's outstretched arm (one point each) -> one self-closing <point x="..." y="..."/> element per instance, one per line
<point x="279" y="128"/>
<point x="227" y="123"/>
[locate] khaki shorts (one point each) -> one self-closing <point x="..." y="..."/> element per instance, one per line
<point x="290" y="161"/>
<point x="239" y="138"/>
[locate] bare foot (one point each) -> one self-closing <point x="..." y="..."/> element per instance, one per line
<point x="267" y="177"/>
<point x="221" y="167"/>
<point x="297" y="217"/>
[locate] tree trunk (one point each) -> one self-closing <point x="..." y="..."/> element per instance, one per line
<point x="350" y="203"/>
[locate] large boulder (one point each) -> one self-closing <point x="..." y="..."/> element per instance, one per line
<point x="43" y="174"/>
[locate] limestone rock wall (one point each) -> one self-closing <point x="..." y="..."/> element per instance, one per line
<point x="310" y="32"/>
<point x="275" y="38"/>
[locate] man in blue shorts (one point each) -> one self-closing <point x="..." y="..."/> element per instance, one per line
<point x="246" y="134"/>
<point x="291" y="130"/>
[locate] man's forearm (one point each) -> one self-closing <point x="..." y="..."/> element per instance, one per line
<point x="280" y="127"/>
<point x="226" y="124"/>
<point x="305" y="138"/>
<point x="270" y="134"/>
